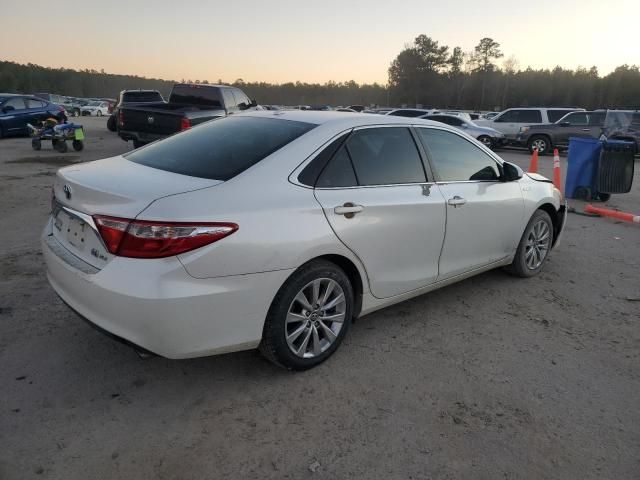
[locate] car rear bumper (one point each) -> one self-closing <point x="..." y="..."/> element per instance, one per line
<point x="158" y="306"/>
<point x="142" y="137"/>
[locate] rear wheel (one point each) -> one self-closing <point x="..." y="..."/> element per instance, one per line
<point x="540" y="143"/>
<point x="99" y="113"/>
<point x="61" y="146"/>
<point x="309" y="316"/>
<point x="111" y="123"/>
<point x="78" y="145"/>
<point x="486" y="141"/>
<point x="534" y="246"/>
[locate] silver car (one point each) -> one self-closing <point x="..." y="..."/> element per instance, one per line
<point x="276" y="229"/>
<point x="490" y="137"/>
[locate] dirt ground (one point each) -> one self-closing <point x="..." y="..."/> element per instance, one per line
<point x="494" y="377"/>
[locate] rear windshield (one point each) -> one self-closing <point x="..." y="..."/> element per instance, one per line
<point x="141" y="97"/>
<point x="196" y="95"/>
<point x="220" y="149"/>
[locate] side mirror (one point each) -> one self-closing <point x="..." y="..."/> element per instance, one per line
<point x="464" y="125"/>
<point x="8" y="108"/>
<point x="565" y="124"/>
<point x="511" y="172"/>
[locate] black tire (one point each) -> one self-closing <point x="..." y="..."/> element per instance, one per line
<point x="36" y="144"/>
<point x="99" y="113"/>
<point x="486" y="140"/>
<point x="78" y="145"/>
<point x="541" y="142"/>
<point x="76" y="112"/>
<point x="61" y="146"/>
<point x="274" y="344"/>
<point x="111" y="123"/>
<point x="138" y="144"/>
<point x="604" y="197"/>
<point x="519" y="265"/>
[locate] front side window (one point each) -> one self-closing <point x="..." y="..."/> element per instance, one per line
<point x="456" y="159"/>
<point x="385" y="156"/>
<point x="529" y="116"/>
<point x="577" y="119"/>
<point x="17" y="103"/>
<point x="220" y="149"/>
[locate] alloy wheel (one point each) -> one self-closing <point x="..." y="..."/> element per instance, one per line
<point x="540" y="145"/>
<point x="315" y="317"/>
<point x="537" y="245"/>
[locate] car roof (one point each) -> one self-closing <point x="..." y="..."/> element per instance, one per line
<point x="338" y="118"/>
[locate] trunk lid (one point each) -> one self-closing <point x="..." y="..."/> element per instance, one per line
<point x="115" y="187"/>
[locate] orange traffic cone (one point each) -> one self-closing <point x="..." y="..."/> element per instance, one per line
<point x="556" y="170"/>
<point x="627" y="217"/>
<point x="533" y="166"/>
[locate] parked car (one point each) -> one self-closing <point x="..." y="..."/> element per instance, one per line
<point x="510" y="120"/>
<point x="188" y="105"/>
<point x="96" y="108"/>
<point x="130" y="97"/>
<point x="544" y="138"/>
<point x="344" y="109"/>
<point x="412" y="112"/>
<point x="489" y="137"/>
<point x="267" y="229"/>
<point x="74" y="105"/>
<point x="16" y="111"/>
<point x="457" y="113"/>
<point x="357" y="108"/>
<point x="52" y="98"/>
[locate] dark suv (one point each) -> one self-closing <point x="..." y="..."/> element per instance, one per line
<point x="620" y="124"/>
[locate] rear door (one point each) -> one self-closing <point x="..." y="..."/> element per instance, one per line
<point x="485" y="216"/>
<point x="36" y="110"/>
<point x="382" y="205"/>
<point x="574" y="125"/>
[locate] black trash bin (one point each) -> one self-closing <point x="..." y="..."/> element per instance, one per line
<point x="615" y="167"/>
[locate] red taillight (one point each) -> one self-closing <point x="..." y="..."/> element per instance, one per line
<point x="149" y="239"/>
<point x="185" y="124"/>
<point x="121" y="118"/>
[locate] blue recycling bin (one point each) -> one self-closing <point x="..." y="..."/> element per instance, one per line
<point x="582" y="170"/>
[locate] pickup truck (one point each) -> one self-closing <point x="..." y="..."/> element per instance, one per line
<point x="130" y="97"/>
<point x="188" y="105"/>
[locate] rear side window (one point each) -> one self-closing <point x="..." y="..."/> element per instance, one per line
<point x="196" y="95"/>
<point x="33" y="103"/>
<point x="338" y="173"/>
<point x="520" y="116"/>
<point x="220" y="149"/>
<point x="456" y="159"/>
<point x="577" y="119"/>
<point x="555" y="115"/>
<point x="385" y="156"/>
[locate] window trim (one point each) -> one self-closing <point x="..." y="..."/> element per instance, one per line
<point x="436" y="178"/>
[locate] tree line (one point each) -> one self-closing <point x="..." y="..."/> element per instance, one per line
<point x="424" y="73"/>
<point x="431" y="74"/>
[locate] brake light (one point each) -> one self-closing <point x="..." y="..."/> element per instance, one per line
<point x="150" y="239"/>
<point x="121" y="118"/>
<point x="185" y="124"/>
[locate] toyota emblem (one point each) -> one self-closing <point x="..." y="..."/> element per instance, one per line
<point x="67" y="191"/>
<point x="150" y="119"/>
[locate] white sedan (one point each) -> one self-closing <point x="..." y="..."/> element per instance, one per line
<point x="277" y="229"/>
<point x="95" y="109"/>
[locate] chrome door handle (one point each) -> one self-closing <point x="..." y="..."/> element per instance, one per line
<point x="457" y="201"/>
<point x="586" y="129"/>
<point x="348" y="209"/>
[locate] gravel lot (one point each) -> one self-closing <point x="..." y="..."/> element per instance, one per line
<point x="494" y="377"/>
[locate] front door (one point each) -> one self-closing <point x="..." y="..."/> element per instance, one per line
<point x="485" y="216"/>
<point x="381" y="205"/>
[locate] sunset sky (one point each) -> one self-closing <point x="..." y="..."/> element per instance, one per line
<point x="312" y="41"/>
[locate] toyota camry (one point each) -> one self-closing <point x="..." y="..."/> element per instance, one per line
<point x="276" y="229"/>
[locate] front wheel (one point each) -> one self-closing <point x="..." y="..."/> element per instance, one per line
<point x="36" y="143"/>
<point x="61" y="146"/>
<point x="99" y="113"/>
<point x="534" y="246"/>
<point x="486" y="141"/>
<point x="309" y="316"/>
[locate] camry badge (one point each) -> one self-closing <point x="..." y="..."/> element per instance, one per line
<point x="67" y="191"/>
